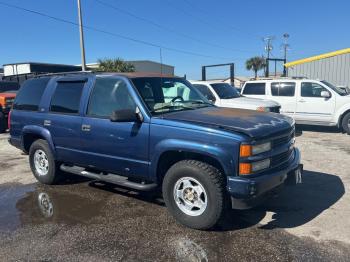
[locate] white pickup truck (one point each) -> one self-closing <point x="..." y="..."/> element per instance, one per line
<point x="309" y="102"/>
<point x="224" y="95"/>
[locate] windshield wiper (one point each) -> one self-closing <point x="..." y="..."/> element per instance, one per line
<point x="171" y="107"/>
<point x="199" y="102"/>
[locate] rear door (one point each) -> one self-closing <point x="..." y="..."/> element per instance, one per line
<point x="117" y="147"/>
<point x="63" y="118"/>
<point x="255" y="89"/>
<point x="284" y="92"/>
<point x="311" y="107"/>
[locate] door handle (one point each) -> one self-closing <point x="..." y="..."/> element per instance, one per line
<point x="86" y="128"/>
<point x="47" y="122"/>
<point x="302" y="101"/>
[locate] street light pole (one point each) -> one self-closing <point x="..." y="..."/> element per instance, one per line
<point x="82" y="48"/>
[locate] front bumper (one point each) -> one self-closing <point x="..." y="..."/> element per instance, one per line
<point x="248" y="192"/>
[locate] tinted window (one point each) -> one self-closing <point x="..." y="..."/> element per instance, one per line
<point x="205" y="91"/>
<point x="8" y="86"/>
<point x="225" y="91"/>
<point x="29" y="96"/>
<point x="283" y="89"/>
<point x="66" y="98"/>
<point x="109" y="95"/>
<point x="254" y="89"/>
<point x="309" y="89"/>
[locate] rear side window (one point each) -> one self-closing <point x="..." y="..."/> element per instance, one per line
<point x="205" y="91"/>
<point x="254" y="89"/>
<point x="29" y="96"/>
<point x="66" y="98"/>
<point x="283" y="89"/>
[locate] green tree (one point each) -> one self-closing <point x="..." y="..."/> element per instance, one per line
<point x="115" y="65"/>
<point x="255" y="63"/>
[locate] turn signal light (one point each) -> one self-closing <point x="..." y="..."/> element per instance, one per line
<point x="245" y="168"/>
<point x="245" y="150"/>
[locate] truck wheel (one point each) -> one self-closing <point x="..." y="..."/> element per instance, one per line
<point x="346" y="123"/>
<point x="42" y="163"/>
<point x="3" y="123"/>
<point x="194" y="193"/>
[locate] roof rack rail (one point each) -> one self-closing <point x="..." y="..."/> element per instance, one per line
<point x="279" y="77"/>
<point x="63" y="73"/>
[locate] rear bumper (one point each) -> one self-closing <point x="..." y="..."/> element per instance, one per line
<point x="248" y="192"/>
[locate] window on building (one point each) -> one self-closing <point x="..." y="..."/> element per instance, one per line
<point x="254" y="89"/>
<point x="66" y="98"/>
<point x="108" y="95"/>
<point x="283" y="89"/>
<point x="29" y="96"/>
<point x="205" y="91"/>
<point x="309" y="89"/>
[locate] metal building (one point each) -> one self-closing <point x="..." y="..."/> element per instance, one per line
<point x="333" y="67"/>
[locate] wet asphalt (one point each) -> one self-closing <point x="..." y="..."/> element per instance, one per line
<point x="82" y="220"/>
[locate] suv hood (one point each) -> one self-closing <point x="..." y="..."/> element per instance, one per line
<point x="248" y="102"/>
<point x="252" y="123"/>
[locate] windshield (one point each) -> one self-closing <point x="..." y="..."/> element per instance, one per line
<point x="165" y="95"/>
<point x="225" y="91"/>
<point x="340" y="91"/>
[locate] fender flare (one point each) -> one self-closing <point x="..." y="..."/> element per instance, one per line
<point x="222" y="157"/>
<point x="40" y="131"/>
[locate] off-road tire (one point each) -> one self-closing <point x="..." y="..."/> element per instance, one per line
<point x="212" y="181"/>
<point x="345" y="123"/>
<point x="3" y="123"/>
<point x="53" y="175"/>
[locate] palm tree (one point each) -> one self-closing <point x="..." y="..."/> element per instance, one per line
<point x="255" y="63"/>
<point x="115" y="65"/>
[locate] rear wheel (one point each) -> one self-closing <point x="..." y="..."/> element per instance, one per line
<point x="42" y="163"/>
<point x="3" y="123"/>
<point x="346" y="123"/>
<point x="194" y="193"/>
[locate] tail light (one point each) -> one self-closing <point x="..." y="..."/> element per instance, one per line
<point x="9" y="120"/>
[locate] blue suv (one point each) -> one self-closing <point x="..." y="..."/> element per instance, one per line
<point x="147" y="132"/>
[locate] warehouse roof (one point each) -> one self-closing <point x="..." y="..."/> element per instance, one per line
<point x="318" y="57"/>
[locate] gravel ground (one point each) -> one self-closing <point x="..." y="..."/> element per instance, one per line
<point x="86" y="221"/>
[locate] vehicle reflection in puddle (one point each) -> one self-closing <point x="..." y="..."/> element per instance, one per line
<point x="111" y="223"/>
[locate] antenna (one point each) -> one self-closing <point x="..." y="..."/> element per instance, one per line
<point x="161" y="61"/>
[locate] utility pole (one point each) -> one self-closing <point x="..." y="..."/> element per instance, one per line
<point x="82" y="48"/>
<point x="285" y="49"/>
<point x="268" y="49"/>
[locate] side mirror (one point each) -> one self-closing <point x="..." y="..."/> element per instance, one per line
<point x="325" y="94"/>
<point x="125" y="115"/>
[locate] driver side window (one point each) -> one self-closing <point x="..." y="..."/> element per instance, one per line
<point x="109" y="95"/>
<point x="309" y="89"/>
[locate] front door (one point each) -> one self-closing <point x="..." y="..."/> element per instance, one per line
<point x="311" y="106"/>
<point x="116" y="147"/>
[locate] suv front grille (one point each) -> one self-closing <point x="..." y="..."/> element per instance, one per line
<point x="281" y="159"/>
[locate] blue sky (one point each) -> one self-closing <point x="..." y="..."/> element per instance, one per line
<point x="227" y="31"/>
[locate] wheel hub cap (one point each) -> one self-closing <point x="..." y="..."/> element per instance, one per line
<point x="41" y="162"/>
<point x="190" y="196"/>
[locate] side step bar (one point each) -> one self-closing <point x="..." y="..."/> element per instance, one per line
<point x="110" y="178"/>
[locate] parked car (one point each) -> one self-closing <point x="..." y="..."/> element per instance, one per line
<point x="309" y="102"/>
<point x="7" y="96"/>
<point x="224" y="95"/>
<point x="145" y="132"/>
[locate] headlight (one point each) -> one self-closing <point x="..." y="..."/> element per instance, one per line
<point x="251" y="150"/>
<point x="257" y="149"/>
<point x="263" y="109"/>
<point x="250" y="168"/>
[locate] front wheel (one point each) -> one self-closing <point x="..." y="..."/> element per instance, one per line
<point x="194" y="193"/>
<point x="346" y="123"/>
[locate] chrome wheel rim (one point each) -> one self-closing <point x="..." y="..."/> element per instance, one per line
<point x="190" y="196"/>
<point x="41" y="162"/>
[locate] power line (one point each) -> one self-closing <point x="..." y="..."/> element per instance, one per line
<point x="167" y="29"/>
<point x="111" y="33"/>
<point x="222" y="23"/>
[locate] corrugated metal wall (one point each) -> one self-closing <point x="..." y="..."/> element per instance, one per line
<point x="335" y="69"/>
